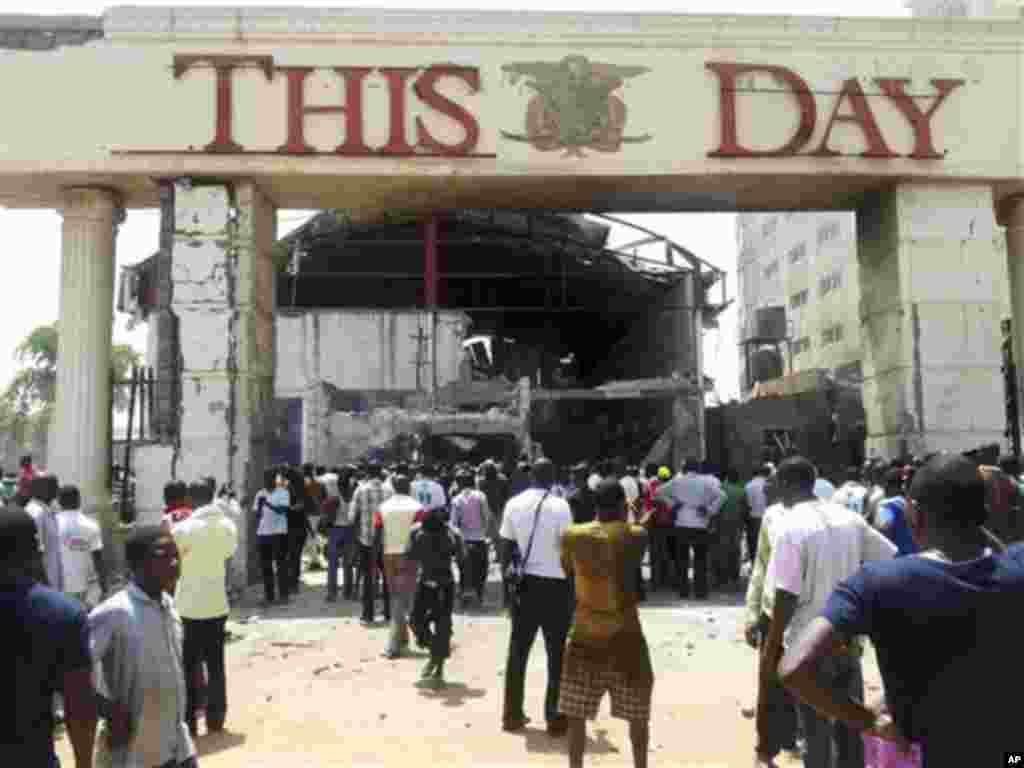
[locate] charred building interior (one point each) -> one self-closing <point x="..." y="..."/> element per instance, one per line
<point x="478" y="333"/>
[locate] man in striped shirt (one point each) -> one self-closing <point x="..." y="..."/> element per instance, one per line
<point x="366" y="504"/>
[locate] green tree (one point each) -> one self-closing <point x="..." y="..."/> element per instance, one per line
<point x="29" y="399"/>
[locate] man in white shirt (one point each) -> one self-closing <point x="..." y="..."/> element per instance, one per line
<point x="756" y="501"/>
<point x="820" y="544"/>
<point x="545" y="602"/>
<point x="43" y="510"/>
<point x="397" y="515"/>
<point x="81" y="543"/>
<point x="205" y="541"/>
<point x="694" y="499"/>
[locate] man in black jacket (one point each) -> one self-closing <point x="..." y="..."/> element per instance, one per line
<point x="435" y="546"/>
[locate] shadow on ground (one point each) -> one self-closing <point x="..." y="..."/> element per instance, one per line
<point x="212" y="743"/>
<point x="451" y="694"/>
<point x="538" y="741"/>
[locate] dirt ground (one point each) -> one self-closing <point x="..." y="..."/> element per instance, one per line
<point x="308" y="688"/>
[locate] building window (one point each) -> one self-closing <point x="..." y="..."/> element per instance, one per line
<point x="828" y="231"/>
<point x="832" y="335"/>
<point x="769" y="226"/>
<point x="830" y="282"/>
<point x="771" y="269"/>
<point x="798" y="253"/>
<point x="798" y="299"/>
<point x="801" y="345"/>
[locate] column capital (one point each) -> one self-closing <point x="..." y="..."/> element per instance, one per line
<point x="97" y="203"/>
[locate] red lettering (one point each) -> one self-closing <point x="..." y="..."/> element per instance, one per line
<point x="730" y="146"/>
<point x="397" y="143"/>
<point x="224" y="66"/>
<point x="426" y="90"/>
<point x="924" y="148"/>
<point x="352" y="109"/>
<point x="862" y="116"/>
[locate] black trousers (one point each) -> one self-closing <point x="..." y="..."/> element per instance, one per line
<point x="370" y="564"/>
<point x="274" y="565"/>
<point x="296" y="543"/>
<point x="697" y="540"/>
<point x="545" y="605"/>
<point x="752" y="528"/>
<point x="473" y="574"/>
<point x="776" y="710"/>
<point x="662" y="557"/>
<point x="433" y="605"/>
<point x="203" y="643"/>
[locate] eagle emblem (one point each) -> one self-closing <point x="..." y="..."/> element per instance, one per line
<point x="574" y="106"/>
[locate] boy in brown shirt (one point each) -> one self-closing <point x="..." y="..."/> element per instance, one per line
<point x="606" y="651"/>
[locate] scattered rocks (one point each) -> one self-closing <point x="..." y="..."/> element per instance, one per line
<point x="748" y="712"/>
<point x="690" y="646"/>
<point x="320" y="670"/>
<point x="382" y="716"/>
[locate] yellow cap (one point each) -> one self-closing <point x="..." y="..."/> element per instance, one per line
<point x="664" y="473"/>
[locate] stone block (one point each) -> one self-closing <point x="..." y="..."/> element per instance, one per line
<point x="199" y="272"/>
<point x="256" y="343"/>
<point x="951" y="270"/>
<point x="888" y="402"/>
<point x="962" y="399"/>
<point x="201" y="210"/>
<point x="945" y="212"/>
<point x="958" y="334"/>
<point x="885" y="341"/>
<point x="205" y="335"/>
<point x="256" y="283"/>
<point x="205" y="401"/>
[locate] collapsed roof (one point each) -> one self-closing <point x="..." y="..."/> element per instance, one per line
<point x="544" y="279"/>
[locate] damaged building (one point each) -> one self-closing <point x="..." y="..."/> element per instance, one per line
<point x="476" y="334"/>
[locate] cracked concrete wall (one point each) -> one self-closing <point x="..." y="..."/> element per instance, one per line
<point x="933" y="291"/>
<point x="219" y="296"/>
<point x="358" y="350"/>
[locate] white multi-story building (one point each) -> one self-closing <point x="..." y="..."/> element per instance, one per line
<point x="806" y="263"/>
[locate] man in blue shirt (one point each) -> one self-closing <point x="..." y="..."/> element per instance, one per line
<point x="46" y="650"/>
<point x="942" y="624"/>
<point x="892" y="514"/>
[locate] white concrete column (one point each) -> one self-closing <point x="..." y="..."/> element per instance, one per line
<point x="224" y="298"/>
<point x="932" y="276"/>
<point x="1013" y="211"/>
<point x="80" y="453"/>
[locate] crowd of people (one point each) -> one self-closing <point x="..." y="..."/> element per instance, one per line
<point x="909" y="554"/>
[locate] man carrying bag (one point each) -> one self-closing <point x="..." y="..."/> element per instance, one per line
<point x="533" y="524"/>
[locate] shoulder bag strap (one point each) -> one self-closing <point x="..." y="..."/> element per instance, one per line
<point x="536" y="519"/>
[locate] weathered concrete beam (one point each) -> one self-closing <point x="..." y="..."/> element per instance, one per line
<point x="44" y="33"/>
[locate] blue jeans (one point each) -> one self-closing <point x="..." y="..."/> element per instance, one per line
<point x="339" y="545"/>
<point x="831" y="744"/>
